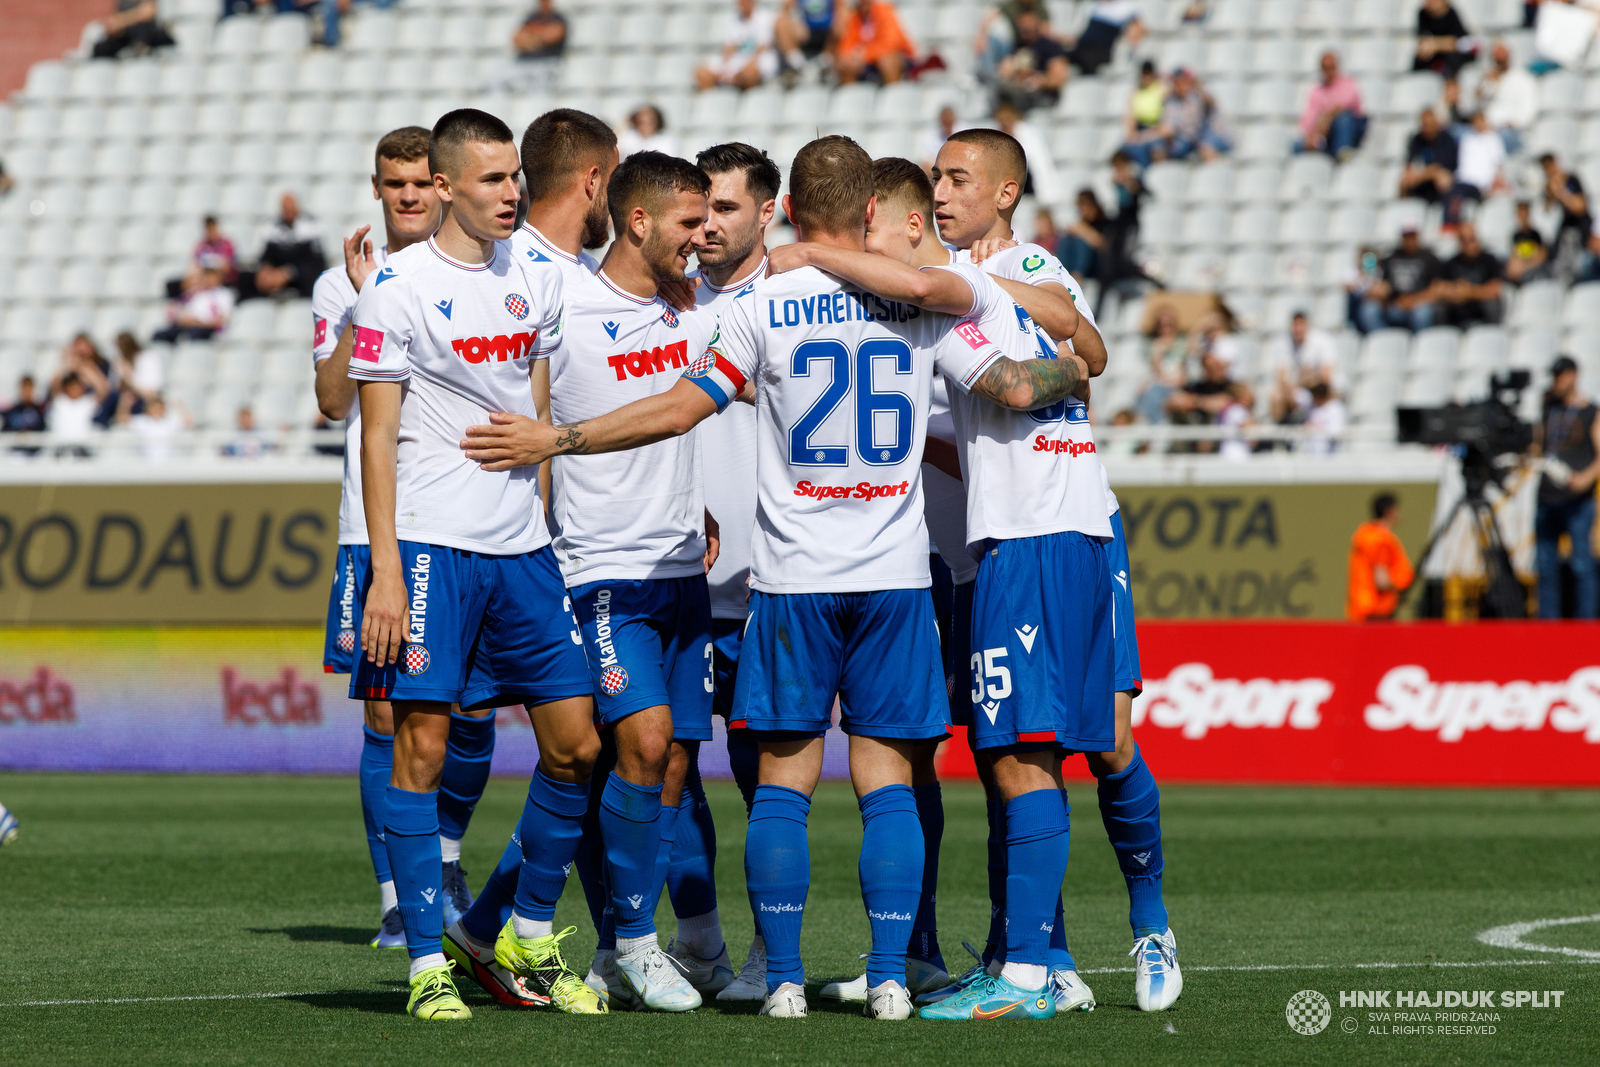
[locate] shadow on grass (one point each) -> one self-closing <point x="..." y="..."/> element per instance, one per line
<point x="362" y="1000"/>
<point x="338" y="935"/>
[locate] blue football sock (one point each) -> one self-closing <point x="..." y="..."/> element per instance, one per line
<point x="925" y="929"/>
<point x="891" y="877"/>
<point x="667" y="828"/>
<point x="466" y="772"/>
<point x="996" y="942"/>
<point x="777" y="870"/>
<point x="1130" y="807"/>
<point x="629" y="817"/>
<point x="1036" y="863"/>
<point x="377" y="766"/>
<point x="492" y="907"/>
<point x="744" y="758"/>
<point x="411" y="834"/>
<point x="1060" y="956"/>
<point x="552" y="823"/>
<point x="692" y="877"/>
<point x="591" y="859"/>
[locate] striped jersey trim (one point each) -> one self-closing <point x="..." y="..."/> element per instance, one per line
<point x="548" y="247"/>
<point x="456" y="262"/>
<point x="753" y="276"/>
<point x="622" y="293"/>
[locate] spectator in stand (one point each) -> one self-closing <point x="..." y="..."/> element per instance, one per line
<point x="156" y="425"/>
<point x="133" y="25"/>
<point x="1301" y="359"/>
<point x="214" y="250"/>
<point x="1479" y="155"/>
<point x="1510" y="96"/>
<point x="997" y="34"/>
<point x="1108" y="20"/>
<point x="1564" y="192"/>
<point x="1568" y="437"/>
<point x="539" y="43"/>
<point x="1033" y="74"/>
<point x="1195" y="120"/>
<point x="1474" y="283"/>
<point x="1144" y="135"/>
<point x="1041" y="179"/>
<point x="1362" y="277"/>
<point x="1443" y="43"/>
<point x="27" y="414"/>
<point x="201" y="313"/>
<point x="140" y="370"/>
<point x="748" y="54"/>
<point x="1527" y="260"/>
<point x="1407" y="291"/>
<point x="76" y="396"/>
<point x="1333" y="120"/>
<point x="1379" y="568"/>
<point x="1045" y="234"/>
<point x="803" y="32"/>
<point x="1235" y="416"/>
<point x="1166" y="356"/>
<point x="291" y="259"/>
<point x="1080" y="247"/>
<point x="935" y="138"/>
<point x="1325" y="421"/>
<point x="248" y="445"/>
<point x="646" y="132"/>
<point x="1431" y="157"/>
<point x="1200" y="402"/>
<point x="873" y="46"/>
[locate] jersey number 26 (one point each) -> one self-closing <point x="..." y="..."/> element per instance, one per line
<point x="873" y="410"/>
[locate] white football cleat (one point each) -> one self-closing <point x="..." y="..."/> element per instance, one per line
<point x="888" y="1001"/>
<point x="658" y="983"/>
<point x="1070" y="992"/>
<point x="851" y="992"/>
<point x="788" y="1001"/>
<point x="921" y="977"/>
<point x="1158" y="982"/>
<point x="605" y="981"/>
<point x="706" y="975"/>
<point x="751" y="983"/>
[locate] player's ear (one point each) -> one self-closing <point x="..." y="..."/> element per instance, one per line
<point x="768" y="209"/>
<point x="376" y="194"/>
<point x="914" y="226"/>
<point x="788" y="210"/>
<point x="441" y="186"/>
<point x="872" y="209"/>
<point x="1007" y="194"/>
<point x="639" y="222"/>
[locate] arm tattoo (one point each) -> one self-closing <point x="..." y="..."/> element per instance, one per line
<point x="571" y="441"/>
<point x="1028" y="384"/>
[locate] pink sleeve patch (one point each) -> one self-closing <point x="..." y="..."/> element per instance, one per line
<point x="368" y="344"/>
<point x="972" y="335"/>
<point x="319" y="331"/>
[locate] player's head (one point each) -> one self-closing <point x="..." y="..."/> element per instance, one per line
<point x="744" y="196"/>
<point x="977" y="180"/>
<point x="401" y="179"/>
<point x="566" y="151"/>
<point x="904" y="215"/>
<point x="473" y="159"/>
<point x="658" y="206"/>
<point x="1385" y="507"/>
<point x="830" y="189"/>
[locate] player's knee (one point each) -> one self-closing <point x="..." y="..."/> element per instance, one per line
<point x="572" y="759"/>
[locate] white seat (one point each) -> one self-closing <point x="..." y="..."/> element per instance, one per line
<point x="1533" y="347"/>
<point x="1206" y="227"/>
<point x="1253" y="226"/>
<point x="1434" y="348"/>
<point x="1211" y="183"/>
<point x="1354" y="181"/>
<point x="1538" y="303"/>
<point x="128" y="119"/>
<point x="1560" y="91"/>
<point x="236" y="37"/>
<point x="1412" y="92"/>
<point x="71" y="159"/>
<point x="180" y="80"/>
<point x="1308" y="175"/>
<point x="92" y="82"/>
<point x="374" y="31"/>
<point x="198" y="194"/>
<point x="1084" y="99"/>
<point x="1306" y="225"/>
<point x="1257" y="184"/>
<point x="1484" y="348"/>
<point x="47" y="80"/>
<point x="252" y="321"/>
<point x="191" y="363"/>
<point x="1263" y="141"/>
<point x="1427" y="389"/>
<point x="285" y="35"/>
<point x="292" y="323"/>
<point x="81" y="120"/>
<point x="218" y="118"/>
<point x="1582" y="306"/>
<point x="172" y="119"/>
<point x="1248" y="270"/>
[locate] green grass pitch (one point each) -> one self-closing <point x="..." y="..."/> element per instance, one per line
<point x="257" y="892"/>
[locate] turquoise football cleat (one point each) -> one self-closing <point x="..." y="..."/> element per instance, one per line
<point x="994" y="998"/>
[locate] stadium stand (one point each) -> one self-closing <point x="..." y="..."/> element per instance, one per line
<point x="116" y="161"/>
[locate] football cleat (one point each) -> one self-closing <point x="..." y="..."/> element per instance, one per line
<point x="1070" y="992"/>
<point x="958" y="984"/>
<point x="434" y="996"/>
<point x="788" y="1001"/>
<point x="537" y="960"/>
<point x="8" y="826"/>
<point x="391" y="931"/>
<point x="706" y="975"/>
<point x="921" y="977"/>
<point x="457" y="897"/>
<point x="994" y="998"/>
<point x="659" y="984"/>
<point x="608" y="984"/>
<point x="887" y="1001"/>
<point x="475" y="959"/>
<point x="1158" y="982"/>
<point x="751" y="983"/>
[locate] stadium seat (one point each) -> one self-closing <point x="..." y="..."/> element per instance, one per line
<point x="252" y="321"/>
<point x="80" y="120"/>
<point x="1247" y="270"/>
<point x="1537" y="303"/>
<point x="1582" y="307"/>
<point x="191" y="363"/>
<point x="1532" y="346"/>
<point x="1383" y="353"/>
<point x="47" y="81"/>
<point x="1211" y="183"/>
<point x="91" y="82"/>
<point x="1434" y="348"/>
<point x="1254" y="226"/>
<point x="1304" y="226"/>
<point x="1206" y="227"/>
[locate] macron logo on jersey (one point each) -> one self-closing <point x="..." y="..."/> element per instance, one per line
<point x="658" y="359"/>
<point x="499" y="349"/>
<point x="319" y="331"/>
<point x="383" y="275"/>
<point x="611" y="329"/>
<point x="369" y="344"/>
<point x="444" y="307"/>
<point x="969" y="332"/>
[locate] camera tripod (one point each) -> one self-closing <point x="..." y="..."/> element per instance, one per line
<point x="1503" y="597"/>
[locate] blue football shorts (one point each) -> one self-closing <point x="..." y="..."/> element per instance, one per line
<point x="485" y="631"/>
<point x="1040" y="665"/>
<point x="1125" y="676"/>
<point x="878" y="651"/>
<point x="648" y="642"/>
<point x="341" y="636"/>
<point x="726" y="637"/>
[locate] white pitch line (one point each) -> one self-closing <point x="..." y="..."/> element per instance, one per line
<point x="176" y="1000"/>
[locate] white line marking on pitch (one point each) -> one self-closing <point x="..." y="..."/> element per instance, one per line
<point x="174" y="1000"/>
<point x="1510" y="936"/>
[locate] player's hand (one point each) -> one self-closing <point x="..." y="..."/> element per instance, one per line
<point x="713" y="542"/>
<point x="509" y="441"/>
<point x="358" y="261"/>
<point x="679" y="294"/>
<point x="385" y="618"/>
<point x="988" y="246"/>
<point x="786" y="258"/>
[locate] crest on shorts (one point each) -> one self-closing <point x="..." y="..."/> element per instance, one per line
<point x="614" y="680"/>
<point x="346" y="641"/>
<point x="669" y="317"/>
<point x="517" y="304"/>
<point x="414" y="659"/>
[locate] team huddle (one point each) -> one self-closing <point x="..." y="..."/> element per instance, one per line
<point x="632" y="496"/>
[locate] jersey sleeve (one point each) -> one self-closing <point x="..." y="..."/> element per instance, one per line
<point x="729" y="359"/>
<point x="383" y="329"/>
<point x="964" y="353"/>
<point x="1036" y="265"/>
<point x="330" y="314"/>
<point x="552" y="299"/>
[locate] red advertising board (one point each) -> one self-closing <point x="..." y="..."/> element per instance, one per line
<point x="1490" y="703"/>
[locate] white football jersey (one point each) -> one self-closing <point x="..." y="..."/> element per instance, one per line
<point x="842" y="380"/>
<point x="462" y="338"/>
<point x="333" y="299"/>
<point x="531" y="246"/>
<point x="728" y="469"/>
<point x="944" y="499"/>
<point x="1025" y="262"/>
<point x="636" y="514"/>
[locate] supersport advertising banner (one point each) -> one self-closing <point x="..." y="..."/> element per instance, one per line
<point x="1418" y="703"/>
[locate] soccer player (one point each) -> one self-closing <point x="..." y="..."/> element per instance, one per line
<point x="839" y="559"/>
<point x="463" y="600"/>
<point x="401" y="182"/>
<point x="978" y="176"/>
<point x="744" y="196"/>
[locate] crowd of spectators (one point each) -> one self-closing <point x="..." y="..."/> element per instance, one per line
<point x="843" y="42"/>
<point x="1173" y="119"/>
<point x="1027" y="61"/>
<point x="86" y="393"/>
